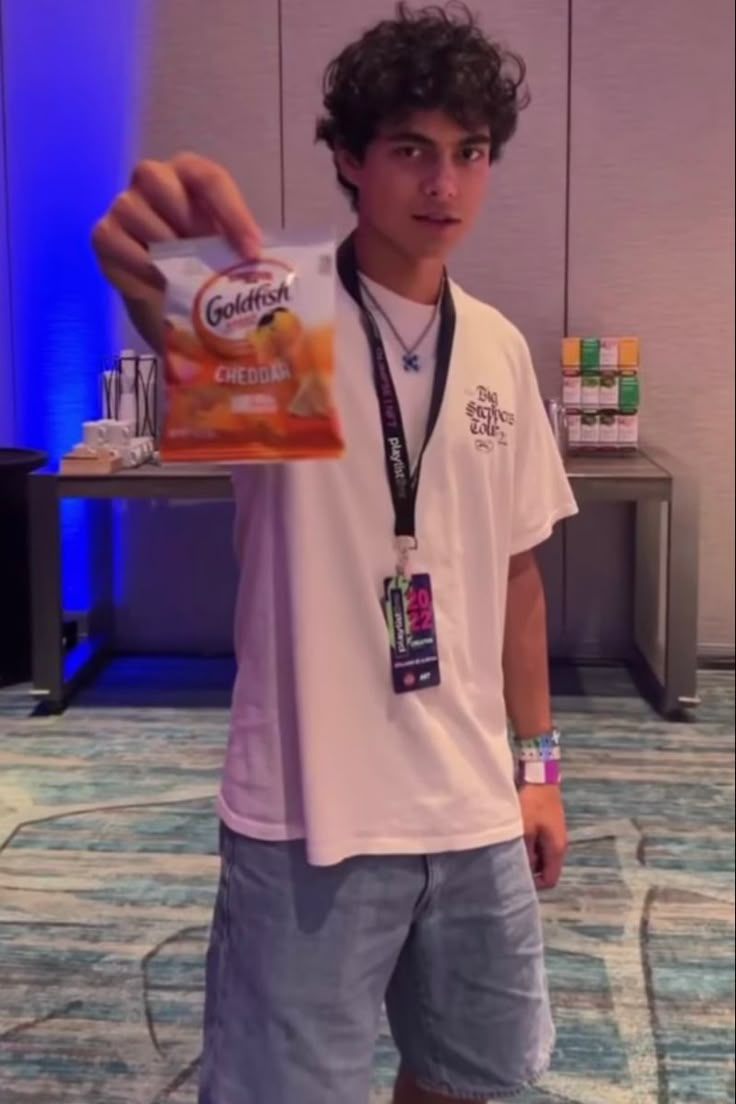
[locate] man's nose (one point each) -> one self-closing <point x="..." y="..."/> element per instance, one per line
<point x="442" y="180"/>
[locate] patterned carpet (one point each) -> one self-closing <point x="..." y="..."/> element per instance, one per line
<point x="108" y="870"/>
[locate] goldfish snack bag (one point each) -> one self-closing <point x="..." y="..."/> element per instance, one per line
<point x="249" y="352"/>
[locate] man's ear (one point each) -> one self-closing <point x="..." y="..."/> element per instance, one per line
<point x="348" y="166"/>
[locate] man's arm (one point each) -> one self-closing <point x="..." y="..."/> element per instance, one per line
<point x="528" y="705"/>
<point x="525" y="650"/>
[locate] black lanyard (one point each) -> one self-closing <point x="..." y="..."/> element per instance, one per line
<point x="403" y="483"/>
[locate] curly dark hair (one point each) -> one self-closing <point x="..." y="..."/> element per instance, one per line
<point x="432" y="58"/>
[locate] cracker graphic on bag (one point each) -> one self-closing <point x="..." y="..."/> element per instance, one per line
<point x="249" y="352"/>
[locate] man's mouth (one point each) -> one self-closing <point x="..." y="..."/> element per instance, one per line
<point x="437" y="219"/>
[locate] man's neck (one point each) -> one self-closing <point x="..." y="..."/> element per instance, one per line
<point x="381" y="261"/>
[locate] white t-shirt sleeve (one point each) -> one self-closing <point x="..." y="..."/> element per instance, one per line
<point x="542" y="492"/>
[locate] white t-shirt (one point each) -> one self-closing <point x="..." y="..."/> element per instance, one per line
<point x="320" y="746"/>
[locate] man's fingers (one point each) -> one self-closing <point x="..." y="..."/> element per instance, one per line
<point x="552" y="856"/>
<point x="187" y="198"/>
<point x="531" y="850"/>
<point x="141" y="222"/>
<point x="215" y="192"/>
<point x="119" y="253"/>
<point x="162" y="190"/>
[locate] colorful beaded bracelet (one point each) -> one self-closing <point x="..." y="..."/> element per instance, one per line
<point x="542" y="749"/>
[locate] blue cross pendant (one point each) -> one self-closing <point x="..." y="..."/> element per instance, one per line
<point x="411" y="362"/>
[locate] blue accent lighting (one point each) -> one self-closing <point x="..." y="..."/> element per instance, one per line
<point x="72" y="75"/>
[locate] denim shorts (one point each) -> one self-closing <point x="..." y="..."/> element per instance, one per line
<point x="302" y="958"/>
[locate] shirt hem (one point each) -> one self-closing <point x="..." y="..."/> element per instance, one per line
<point x="269" y="833"/>
<point x="321" y="853"/>
<point x="538" y="536"/>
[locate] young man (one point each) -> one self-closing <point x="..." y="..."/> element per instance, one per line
<point x="376" y="843"/>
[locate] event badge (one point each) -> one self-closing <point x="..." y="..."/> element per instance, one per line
<point x="412" y="633"/>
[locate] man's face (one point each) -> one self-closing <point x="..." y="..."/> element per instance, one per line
<point x="421" y="182"/>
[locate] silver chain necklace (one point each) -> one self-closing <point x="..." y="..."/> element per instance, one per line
<point x="410" y="358"/>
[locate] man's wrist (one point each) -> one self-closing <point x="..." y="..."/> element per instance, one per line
<point x="539" y="759"/>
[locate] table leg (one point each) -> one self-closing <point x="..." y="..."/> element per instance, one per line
<point x="666" y="596"/>
<point x="46" y="598"/>
<point x="683" y="544"/>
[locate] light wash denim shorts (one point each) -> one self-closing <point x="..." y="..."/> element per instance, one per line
<point x="301" y="959"/>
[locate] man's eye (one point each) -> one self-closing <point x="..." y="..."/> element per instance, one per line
<point x="411" y="153"/>
<point x="473" y="153"/>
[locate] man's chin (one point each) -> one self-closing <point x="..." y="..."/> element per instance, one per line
<point x="436" y="252"/>
<point x="435" y="244"/>
<point x="417" y="242"/>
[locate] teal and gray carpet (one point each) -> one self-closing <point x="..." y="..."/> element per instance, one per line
<point x="108" y="870"/>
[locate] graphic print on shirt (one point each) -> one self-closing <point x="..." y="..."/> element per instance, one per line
<point x="489" y="422"/>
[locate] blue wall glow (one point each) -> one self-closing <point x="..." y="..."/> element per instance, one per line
<point x="73" y="76"/>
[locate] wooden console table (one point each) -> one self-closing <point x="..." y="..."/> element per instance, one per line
<point x="665" y="576"/>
